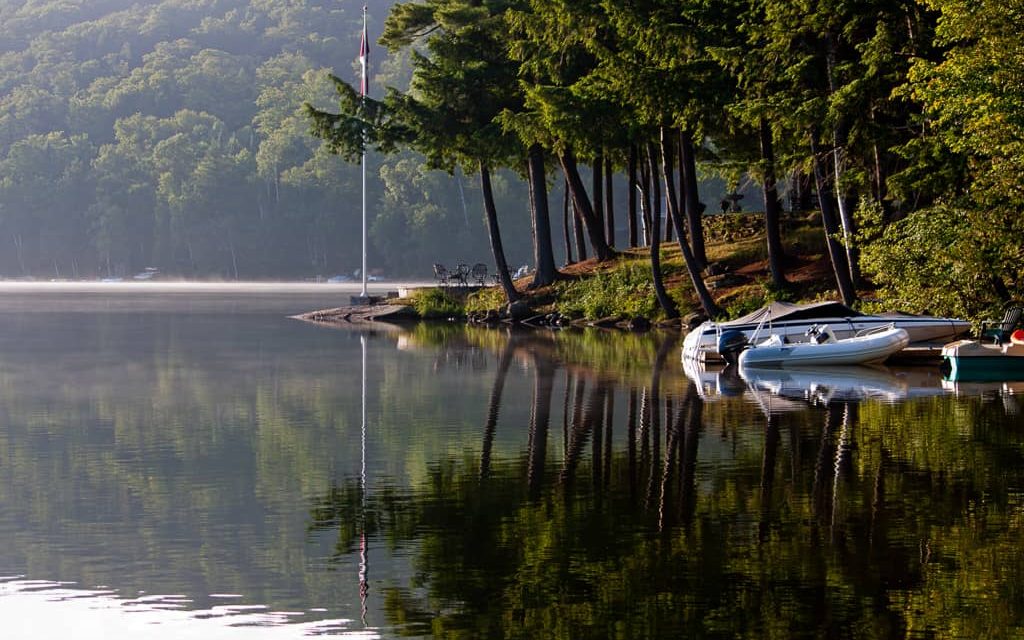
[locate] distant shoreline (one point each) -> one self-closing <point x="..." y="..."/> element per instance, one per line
<point x="178" y="286"/>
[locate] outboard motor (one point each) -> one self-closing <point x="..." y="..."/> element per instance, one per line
<point x="731" y="343"/>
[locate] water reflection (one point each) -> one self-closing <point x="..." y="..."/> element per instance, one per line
<point x="814" y="528"/>
<point x="491" y="483"/>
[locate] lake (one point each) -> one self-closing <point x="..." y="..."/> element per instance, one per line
<point x="186" y="461"/>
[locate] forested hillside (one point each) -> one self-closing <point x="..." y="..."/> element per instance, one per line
<point x="169" y="134"/>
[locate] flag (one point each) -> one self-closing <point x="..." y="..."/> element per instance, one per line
<point x="364" y="58"/>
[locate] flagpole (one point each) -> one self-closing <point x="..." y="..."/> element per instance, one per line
<point x="363" y="59"/>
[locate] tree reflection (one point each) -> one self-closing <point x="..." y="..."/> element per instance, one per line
<point x="811" y="524"/>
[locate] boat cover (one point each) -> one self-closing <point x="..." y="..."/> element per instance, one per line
<point x="789" y="311"/>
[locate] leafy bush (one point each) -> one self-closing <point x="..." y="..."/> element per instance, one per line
<point x="941" y="260"/>
<point x="627" y="291"/>
<point x="485" y="299"/>
<point x="436" y="303"/>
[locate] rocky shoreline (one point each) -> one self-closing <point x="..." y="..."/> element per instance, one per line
<point x="516" y="313"/>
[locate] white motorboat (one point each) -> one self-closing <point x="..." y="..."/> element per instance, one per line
<point x="823" y="349"/>
<point x="791" y="322"/>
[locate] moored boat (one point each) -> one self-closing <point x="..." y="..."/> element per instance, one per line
<point x="980" y="361"/>
<point x="791" y="322"/>
<point x="824" y="349"/>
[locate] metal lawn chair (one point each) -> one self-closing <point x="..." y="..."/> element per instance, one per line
<point x="441" y="274"/>
<point x="999" y="330"/>
<point x="479" y="273"/>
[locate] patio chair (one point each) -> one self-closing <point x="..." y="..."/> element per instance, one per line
<point x="441" y="274"/>
<point x="461" y="274"/>
<point x="999" y="330"/>
<point x="479" y="273"/>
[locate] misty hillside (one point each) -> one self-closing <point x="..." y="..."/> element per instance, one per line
<point x="168" y="134"/>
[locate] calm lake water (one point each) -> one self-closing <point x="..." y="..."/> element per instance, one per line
<point x="188" y="462"/>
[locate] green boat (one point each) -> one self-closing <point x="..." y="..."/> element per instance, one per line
<point x="980" y="361"/>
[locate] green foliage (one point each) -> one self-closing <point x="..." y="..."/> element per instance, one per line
<point x="625" y="291"/>
<point x="486" y="299"/>
<point x="943" y="260"/>
<point x="435" y="302"/>
<point x="744" y="300"/>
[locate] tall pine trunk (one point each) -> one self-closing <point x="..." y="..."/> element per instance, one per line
<point x="840" y="138"/>
<point x="772" y="214"/>
<point x="567" y="224"/>
<point x="579" y="234"/>
<point x="691" y="197"/>
<point x="706" y="301"/>
<point x="597" y="191"/>
<point x="543" y="251"/>
<point x="494" y="234"/>
<point x="631" y="196"/>
<point x="579" y="196"/>
<point x="845" y="199"/>
<point x="647" y="191"/>
<point x="655" y="199"/>
<point x="666" y="302"/>
<point x="836" y="251"/>
<point x="609" y="203"/>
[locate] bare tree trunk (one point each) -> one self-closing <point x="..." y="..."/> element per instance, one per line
<point x="772" y="215"/>
<point x="494" y="234"/>
<point x="882" y="187"/>
<point x="706" y="301"/>
<point x="567" y="224"/>
<point x="631" y="196"/>
<point x="647" y="191"/>
<point x="845" y="201"/>
<point x="543" y="252"/>
<point x="579" y="195"/>
<point x="597" y="190"/>
<point x="828" y="217"/>
<point x="579" y="233"/>
<point x="691" y="197"/>
<point x="609" y="203"/>
<point x="655" y="197"/>
<point x="664" y="300"/>
<point x="840" y="137"/>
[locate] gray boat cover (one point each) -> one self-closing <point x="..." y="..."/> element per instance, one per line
<point x="788" y="311"/>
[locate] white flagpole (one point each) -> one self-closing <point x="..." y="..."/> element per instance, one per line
<point x="363" y="55"/>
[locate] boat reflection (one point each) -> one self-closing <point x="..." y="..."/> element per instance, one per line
<point x="822" y="385"/>
<point x="819" y="386"/>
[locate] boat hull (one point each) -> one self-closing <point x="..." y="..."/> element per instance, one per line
<point x="701" y="344"/>
<point x="867" y="349"/>
<point x="971" y="360"/>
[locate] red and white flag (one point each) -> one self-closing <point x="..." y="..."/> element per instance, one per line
<point x="364" y="58"/>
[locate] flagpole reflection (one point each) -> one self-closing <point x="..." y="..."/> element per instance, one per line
<point x="364" y="586"/>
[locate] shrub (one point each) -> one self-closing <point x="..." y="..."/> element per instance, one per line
<point x="436" y="303"/>
<point x="485" y="299"/>
<point x="627" y="291"/>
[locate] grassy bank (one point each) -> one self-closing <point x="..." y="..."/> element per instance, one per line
<point x="621" y="290"/>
